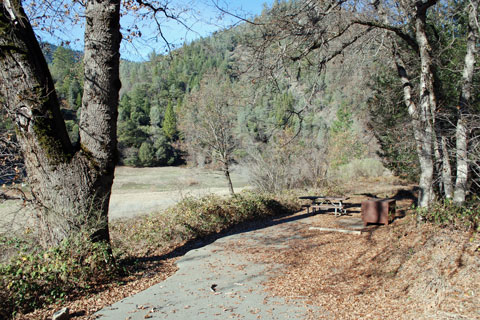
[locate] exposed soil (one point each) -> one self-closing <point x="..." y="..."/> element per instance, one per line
<point x="401" y="271"/>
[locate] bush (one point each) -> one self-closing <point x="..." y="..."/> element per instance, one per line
<point x="38" y="277"/>
<point x="447" y="214"/>
<point x="193" y="218"/>
<point x="35" y="277"/>
<point x="358" y="168"/>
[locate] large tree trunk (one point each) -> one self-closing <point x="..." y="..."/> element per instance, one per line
<point x="71" y="186"/>
<point x="465" y="99"/>
<point x="426" y="108"/>
<point x="426" y="177"/>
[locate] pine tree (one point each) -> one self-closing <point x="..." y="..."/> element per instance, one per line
<point x="169" y="124"/>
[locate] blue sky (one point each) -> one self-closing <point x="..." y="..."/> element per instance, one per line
<point x="201" y="17"/>
<point x="203" y="20"/>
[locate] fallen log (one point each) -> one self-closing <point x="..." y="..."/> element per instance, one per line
<point x="356" y="232"/>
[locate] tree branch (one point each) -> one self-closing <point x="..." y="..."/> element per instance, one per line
<point x="165" y="11"/>
<point x="215" y="3"/>
<point x="423" y="6"/>
<point x="375" y="24"/>
<point x="344" y="46"/>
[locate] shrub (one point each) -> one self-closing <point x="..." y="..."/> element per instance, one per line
<point x="448" y="214"/>
<point x="193" y="218"/>
<point x="37" y="277"/>
<point x="146" y="154"/>
<point x="358" y="168"/>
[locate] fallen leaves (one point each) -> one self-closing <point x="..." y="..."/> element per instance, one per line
<point x="400" y="271"/>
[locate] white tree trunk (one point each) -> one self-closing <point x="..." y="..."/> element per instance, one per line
<point x="446" y="170"/>
<point x="419" y="134"/>
<point x="426" y="109"/>
<point x="465" y="99"/>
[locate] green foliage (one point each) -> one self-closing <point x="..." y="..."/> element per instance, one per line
<point x="392" y="127"/>
<point x="38" y="277"/>
<point x="142" y="128"/>
<point x="449" y="215"/>
<point x="284" y="107"/>
<point x="344" y="144"/>
<point x="165" y="153"/>
<point x="169" y="123"/>
<point x="344" y="121"/>
<point x="151" y="90"/>
<point x="73" y="130"/>
<point x="146" y="154"/>
<point x="66" y="70"/>
<point x="156" y="116"/>
<point x="63" y="61"/>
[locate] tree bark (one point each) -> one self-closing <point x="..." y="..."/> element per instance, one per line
<point x="464" y="102"/>
<point x="226" y="170"/>
<point x="426" y="108"/>
<point x="446" y="169"/>
<point x="418" y="132"/>
<point x="423" y="113"/>
<point x="71" y="186"/>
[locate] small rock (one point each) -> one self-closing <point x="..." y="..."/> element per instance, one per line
<point x="62" y="314"/>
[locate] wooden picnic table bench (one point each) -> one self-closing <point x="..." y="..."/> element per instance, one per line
<point x="325" y="203"/>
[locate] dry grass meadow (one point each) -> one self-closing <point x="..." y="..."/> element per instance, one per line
<point x="138" y="191"/>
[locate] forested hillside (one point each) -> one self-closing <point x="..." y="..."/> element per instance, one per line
<point x="295" y="112"/>
<point x="306" y="124"/>
<point x="309" y="97"/>
<point x="293" y="117"/>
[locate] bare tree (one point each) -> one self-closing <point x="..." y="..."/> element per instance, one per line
<point x="317" y="32"/>
<point x="208" y="120"/>
<point x="464" y="105"/>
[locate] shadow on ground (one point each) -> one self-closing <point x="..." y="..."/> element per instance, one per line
<point x="236" y="229"/>
<point x="143" y="263"/>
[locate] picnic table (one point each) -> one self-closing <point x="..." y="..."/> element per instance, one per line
<point x="325" y="203"/>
